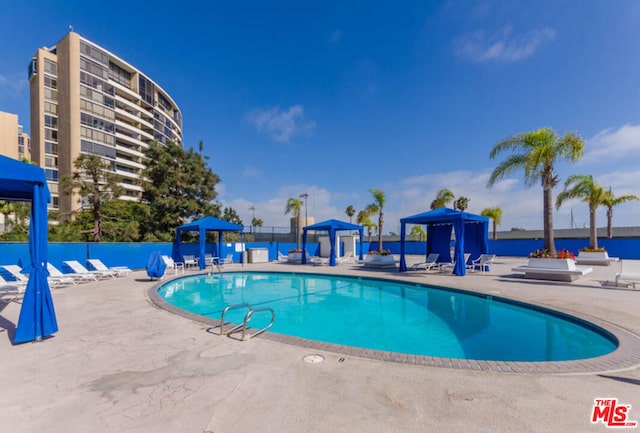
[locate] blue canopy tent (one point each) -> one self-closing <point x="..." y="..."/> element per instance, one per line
<point x="203" y="225"/>
<point x="471" y="231"/>
<point x="332" y="226"/>
<point x="20" y="181"/>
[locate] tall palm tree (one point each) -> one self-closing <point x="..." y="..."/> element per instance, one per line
<point x="350" y="211"/>
<point x="495" y="213"/>
<point x="536" y="154"/>
<point x="293" y="206"/>
<point x="417" y="233"/>
<point x="364" y="220"/>
<point x="462" y="203"/>
<point x="583" y="187"/>
<point x="609" y="202"/>
<point x="443" y="197"/>
<point x="377" y="207"/>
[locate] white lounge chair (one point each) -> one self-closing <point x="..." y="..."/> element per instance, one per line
<point x="171" y="264"/>
<point x="282" y="257"/>
<point x="347" y="259"/>
<point x="99" y="266"/>
<point x="448" y="267"/>
<point x="11" y="291"/>
<point x="317" y="260"/>
<point x="78" y="268"/>
<point x="227" y="260"/>
<point x="629" y="273"/>
<point x="54" y="282"/>
<point x="57" y="273"/>
<point x="482" y="262"/>
<point x="428" y="264"/>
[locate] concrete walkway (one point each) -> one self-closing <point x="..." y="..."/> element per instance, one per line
<point x="121" y="364"/>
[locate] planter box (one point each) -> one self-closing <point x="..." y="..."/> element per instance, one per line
<point x="294" y="257"/>
<point x="378" y="261"/>
<point x="595" y="258"/>
<point x="552" y="269"/>
<point x="566" y="264"/>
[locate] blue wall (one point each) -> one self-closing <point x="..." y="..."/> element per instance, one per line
<point x="135" y="255"/>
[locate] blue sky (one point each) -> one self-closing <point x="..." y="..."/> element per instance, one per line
<point x="335" y="98"/>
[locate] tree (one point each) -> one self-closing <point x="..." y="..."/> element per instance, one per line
<point x="95" y="183"/>
<point x="443" y="197"/>
<point x="230" y="214"/>
<point x="417" y="233"/>
<point x="256" y="222"/>
<point x="364" y="220"/>
<point x="462" y="203"/>
<point x="350" y="211"/>
<point x="7" y="208"/>
<point x="377" y="207"/>
<point x="293" y="207"/>
<point x="495" y="213"/>
<point x="536" y="154"/>
<point x="609" y="202"/>
<point x="179" y="187"/>
<point x="583" y="187"/>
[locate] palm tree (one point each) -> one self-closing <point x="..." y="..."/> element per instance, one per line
<point x="7" y="208"/>
<point x="536" y="153"/>
<point x="582" y="186"/>
<point x="377" y="207"/>
<point x="443" y="197"/>
<point x="462" y="203"/>
<point x="364" y="220"/>
<point x="495" y="213"/>
<point x="417" y="233"/>
<point x="610" y="201"/>
<point x="293" y="207"/>
<point x="350" y="211"/>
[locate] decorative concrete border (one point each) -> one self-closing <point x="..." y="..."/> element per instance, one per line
<point x="626" y="356"/>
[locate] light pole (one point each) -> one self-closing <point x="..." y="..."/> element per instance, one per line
<point x="253" y="217"/>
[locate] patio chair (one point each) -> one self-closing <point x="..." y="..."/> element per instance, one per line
<point x="190" y="260"/>
<point x="99" y="266"/>
<point x="317" y="260"/>
<point x="227" y="260"/>
<point x="482" y="262"/>
<point x="78" y="268"/>
<point x="54" y="282"/>
<point x="448" y="267"/>
<point x="282" y="257"/>
<point x="76" y="277"/>
<point x="428" y="264"/>
<point x="348" y="258"/>
<point x="629" y="273"/>
<point x="176" y="266"/>
<point x="9" y="291"/>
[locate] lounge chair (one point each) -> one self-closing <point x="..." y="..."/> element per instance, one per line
<point x="78" y="268"/>
<point x="428" y="264"/>
<point x="282" y="257"/>
<point x="176" y="266"/>
<point x="57" y="273"/>
<point x="317" y="260"/>
<point x="482" y="262"/>
<point x="9" y="291"/>
<point x="99" y="266"/>
<point x="16" y="272"/>
<point x="448" y="267"/>
<point x="629" y="273"/>
<point x="190" y="260"/>
<point x="347" y="259"/>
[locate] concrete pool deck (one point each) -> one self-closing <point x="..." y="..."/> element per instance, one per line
<point x="121" y="364"/>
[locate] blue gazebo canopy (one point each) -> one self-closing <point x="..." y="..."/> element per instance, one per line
<point x="203" y="225"/>
<point x="20" y="181"/>
<point x="471" y="232"/>
<point x="332" y="226"/>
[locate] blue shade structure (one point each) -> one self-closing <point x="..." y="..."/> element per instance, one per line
<point x="20" y="181"/>
<point x="471" y="233"/>
<point x="202" y="226"/>
<point x="332" y="226"/>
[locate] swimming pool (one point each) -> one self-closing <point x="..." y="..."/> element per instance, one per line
<point x="393" y="316"/>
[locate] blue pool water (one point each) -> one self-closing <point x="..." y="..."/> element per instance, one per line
<point x="392" y="316"/>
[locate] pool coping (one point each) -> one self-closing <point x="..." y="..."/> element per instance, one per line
<point x="626" y="356"/>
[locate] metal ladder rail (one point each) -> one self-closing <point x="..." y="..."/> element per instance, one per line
<point x="231" y="307"/>
<point x="248" y="317"/>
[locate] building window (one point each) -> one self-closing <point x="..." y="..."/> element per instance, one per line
<point x="147" y="90"/>
<point x="50" y="67"/>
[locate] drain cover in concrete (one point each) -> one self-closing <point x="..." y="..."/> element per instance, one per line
<point x="313" y="359"/>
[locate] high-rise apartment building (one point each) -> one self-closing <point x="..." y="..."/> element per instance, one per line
<point x="85" y="99"/>
<point x="14" y="142"/>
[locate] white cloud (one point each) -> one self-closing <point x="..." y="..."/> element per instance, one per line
<point x="611" y="144"/>
<point x="13" y="86"/>
<point x="480" y="47"/>
<point x="280" y="125"/>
